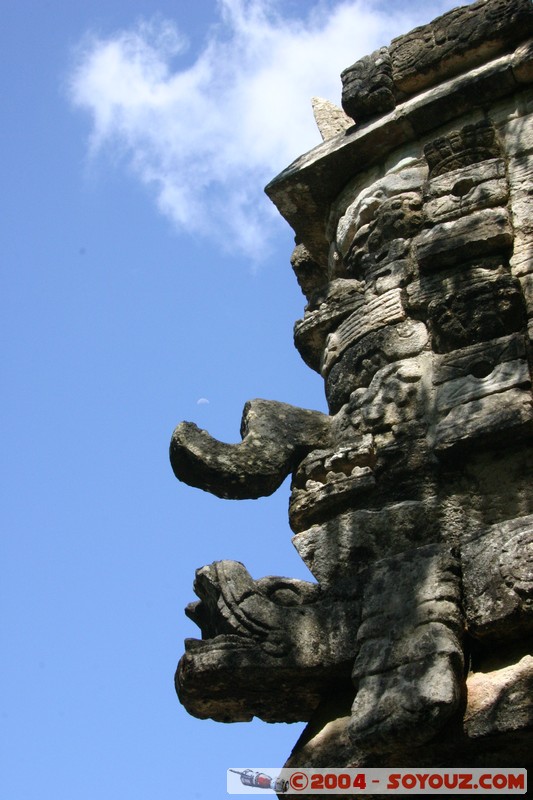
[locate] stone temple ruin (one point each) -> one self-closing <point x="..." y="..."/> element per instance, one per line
<point x="411" y="501"/>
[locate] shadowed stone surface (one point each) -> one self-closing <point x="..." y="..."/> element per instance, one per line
<point x="273" y="637"/>
<point x="274" y="438"/>
<point x="368" y="86"/>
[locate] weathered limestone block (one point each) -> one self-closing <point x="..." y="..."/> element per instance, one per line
<point x="384" y="310"/>
<point x="453" y="43"/>
<point x="408" y="668"/>
<point x="415" y="699"/>
<point x="274" y="436"/>
<point x="479" y="360"/>
<point x="503" y="415"/>
<point x="282" y="636"/>
<point x="477" y="313"/>
<point x="341" y="298"/>
<point x="384" y="276"/>
<point x="462" y="97"/>
<point x="338" y="549"/>
<point x="460" y="192"/>
<point x="481" y="233"/>
<point x="330" y="119"/>
<point x="518" y="135"/>
<point x="500" y="701"/>
<point x="509" y="375"/>
<point x="397" y="394"/>
<point x="458" y="149"/>
<point x="496" y="730"/>
<point x="305" y="190"/>
<point x="522" y="258"/>
<point x="362" y="208"/>
<point x="457" y="41"/>
<point x="329" y="479"/>
<point x="520" y="170"/>
<point x="523" y="63"/>
<point x="433" y="287"/>
<point x="388" y="266"/>
<point x="526" y="285"/>
<point x="498" y="580"/>
<point x="359" y="363"/>
<point x="384" y="239"/>
<point x="368" y="87"/>
<point x="311" y="276"/>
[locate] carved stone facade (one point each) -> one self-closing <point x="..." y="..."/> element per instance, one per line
<point x="411" y="502"/>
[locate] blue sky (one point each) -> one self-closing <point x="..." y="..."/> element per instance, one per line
<point x="145" y="279"/>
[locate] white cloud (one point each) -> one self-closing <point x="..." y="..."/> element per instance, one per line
<point x="208" y="136"/>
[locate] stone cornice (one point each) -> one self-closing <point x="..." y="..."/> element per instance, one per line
<point x="304" y="191"/>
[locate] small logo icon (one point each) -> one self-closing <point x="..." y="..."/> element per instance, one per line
<point x="261" y="780"/>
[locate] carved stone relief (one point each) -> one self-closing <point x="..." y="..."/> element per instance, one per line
<point x="410" y="502"/>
